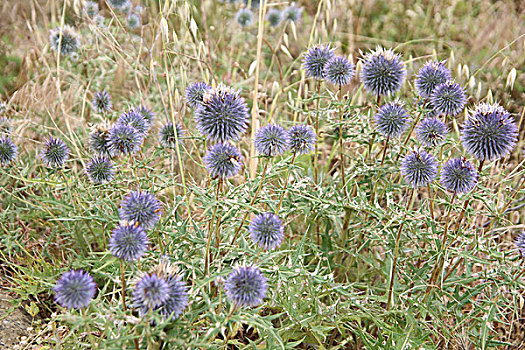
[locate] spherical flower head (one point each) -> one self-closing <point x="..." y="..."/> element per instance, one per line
<point x="244" y="17"/>
<point x="489" y="132"/>
<point x="136" y="120"/>
<point x="432" y="132"/>
<point x="274" y="17"/>
<point x="121" y="5"/>
<point x="339" y="71"/>
<point x="194" y="93"/>
<point x="99" y="21"/>
<point x="141" y="207"/>
<point x="64" y="40"/>
<point x="246" y="286"/>
<point x="392" y="119"/>
<point x="150" y="292"/>
<point x="128" y="242"/>
<point x="271" y="140"/>
<point x="124" y="139"/>
<point x="431" y="75"/>
<point x="55" y="153"/>
<point x="419" y="168"/>
<point x="223" y="160"/>
<point x="102" y="102"/>
<point x="169" y="134"/>
<point x="90" y="9"/>
<point x="292" y="13"/>
<point x="267" y="231"/>
<point x="448" y="98"/>
<point x="98" y="140"/>
<point x="75" y="289"/>
<point x="520" y="243"/>
<point x="223" y="115"/>
<point x="383" y="72"/>
<point x="177" y="300"/>
<point x="302" y="138"/>
<point x="146" y="113"/>
<point x="315" y="60"/>
<point x="100" y="170"/>
<point x="8" y="151"/>
<point x="133" y="21"/>
<point x="459" y="175"/>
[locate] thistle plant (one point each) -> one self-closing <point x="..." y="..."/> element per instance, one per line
<point x="432" y="132"/>
<point x="102" y="102"/>
<point x="8" y="151"/>
<point x="100" y="170"/>
<point x="75" y="289"/>
<point x="448" y="98"/>
<point x="124" y="139"/>
<point x="194" y="93"/>
<point x="383" y="72"/>
<point x="244" y="17"/>
<point x="246" y="286"/>
<point x="64" y="40"/>
<point x="170" y="134"/>
<point x="267" y="231"/>
<point x="55" y="153"/>
<point x="274" y="17"/>
<point x="142" y="208"/>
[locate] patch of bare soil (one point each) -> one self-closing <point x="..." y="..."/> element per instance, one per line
<point x="15" y="324"/>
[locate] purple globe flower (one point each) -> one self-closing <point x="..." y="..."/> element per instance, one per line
<point x="246" y="286"/>
<point x="170" y="134"/>
<point x="90" y="8"/>
<point x="55" y="153"/>
<point x="489" y="132"/>
<point x="150" y="291"/>
<point x="75" y="289"/>
<point x="146" y="113"/>
<point x="520" y="243"/>
<point x="432" y="132"/>
<point x="134" y="119"/>
<point x="419" y="168"/>
<point x="128" y="242"/>
<point x="383" y="72"/>
<point x="223" y="160"/>
<point x="271" y="140"/>
<point x="392" y="119"/>
<point x="100" y="170"/>
<point x="448" y="98"/>
<point x="223" y="115"/>
<point x="244" y="17"/>
<point x="431" y="75"/>
<point x="102" y="102"/>
<point x="267" y="231"/>
<point x="64" y="40"/>
<point x="315" y="60"/>
<point x="121" y="5"/>
<point x="301" y="138"/>
<point x="194" y="93"/>
<point x="124" y="139"/>
<point x="140" y="207"/>
<point x="8" y="151"/>
<point x="98" y="141"/>
<point x="459" y="175"/>
<point x="292" y="13"/>
<point x="339" y="71"/>
<point x="274" y="17"/>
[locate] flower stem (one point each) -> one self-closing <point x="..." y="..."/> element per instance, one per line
<point x="208" y="257"/>
<point x="341" y="143"/>
<point x="316" y="151"/>
<point x="123" y="278"/>
<point x="410" y="132"/>
<point x="285" y="185"/>
<point x="88" y="328"/>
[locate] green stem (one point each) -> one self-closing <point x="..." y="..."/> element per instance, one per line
<point x="285" y="185"/>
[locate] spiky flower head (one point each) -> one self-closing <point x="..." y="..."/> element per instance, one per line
<point x="98" y="140"/>
<point x="121" y="5"/>
<point x="223" y="115"/>
<point x="459" y="175"/>
<point x="520" y="243"/>
<point x="75" y="289"/>
<point x="292" y="13"/>
<point x="128" y="241"/>
<point x="244" y="17"/>
<point x="315" y="60"/>
<point x="100" y="170"/>
<point x="124" y="139"/>
<point x="8" y="151"/>
<point x="339" y="71"/>
<point x="489" y="132"/>
<point x="267" y="230"/>
<point x="431" y="75"/>
<point x="133" y="21"/>
<point x="150" y="291"/>
<point x="432" y="132"/>
<point x="223" y="160"/>
<point x="64" y="40"/>
<point x="419" y="168"/>
<point x="246" y="286"/>
<point x="136" y="120"/>
<point x="90" y="9"/>
<point x="146" y="113"/>
<point x="102" y="102"/>
<point x="194" y="93"/>
<point x="271" y="140"/>
<point x="99" y="21"/>
<point x="169" y="134"/>
<point x="302" y="138"/>
<point x="383" y="72"/>
<point x="274" y="17"/>
<point x="177" y="300"/>
<point x="448" y="98"/>
<point x="392" y="119"/>
<point x="140" y="207"/>
<point x="55" y="153"/>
